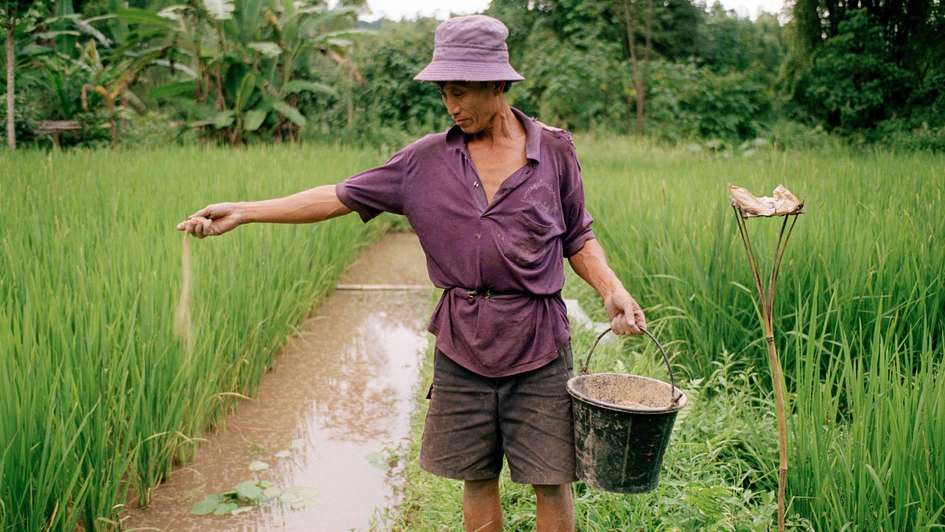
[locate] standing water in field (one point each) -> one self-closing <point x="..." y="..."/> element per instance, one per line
<point x="315" y="443"/>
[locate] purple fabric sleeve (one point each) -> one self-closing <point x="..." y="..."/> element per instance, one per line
<point x="377" y="190"/>
<point x="577" y="220"/>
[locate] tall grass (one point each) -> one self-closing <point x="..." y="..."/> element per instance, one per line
<point x="861" y="307"/>
<point x="871" y="237"/>
<point x="97" y="395"/>
<point x="870" y="430"/>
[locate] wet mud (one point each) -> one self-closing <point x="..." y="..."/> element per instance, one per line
<point x="321" y="428"/>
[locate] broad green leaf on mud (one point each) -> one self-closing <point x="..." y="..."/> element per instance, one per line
<point x="226" y="508"/>
<point x="249" y="490"/>
<point x="207" y="505"/>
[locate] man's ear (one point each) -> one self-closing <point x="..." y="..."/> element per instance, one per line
<point x="498" y="87"/>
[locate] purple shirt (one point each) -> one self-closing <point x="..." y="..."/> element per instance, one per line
<point x="514" y="246"/>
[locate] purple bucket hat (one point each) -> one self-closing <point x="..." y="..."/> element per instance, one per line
<point x="470" y="48"/>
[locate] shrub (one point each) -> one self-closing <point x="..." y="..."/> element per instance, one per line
<point x="685" y="101"/>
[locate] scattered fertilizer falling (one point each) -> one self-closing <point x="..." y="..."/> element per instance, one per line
<point x="182" y="319"/>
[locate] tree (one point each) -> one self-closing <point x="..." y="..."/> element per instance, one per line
<point x="639" y="65"/>
<point x="11" y="13"/>
<point x="888" y="53"/>
<point x="111" y="81"/>
<point x="851" y="81"/>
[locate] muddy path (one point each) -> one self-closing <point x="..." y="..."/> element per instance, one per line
<point x="320" y="429"/>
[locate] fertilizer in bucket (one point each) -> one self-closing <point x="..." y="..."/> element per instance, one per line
<point x="622" y="425"/>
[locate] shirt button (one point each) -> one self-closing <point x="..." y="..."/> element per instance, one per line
<point x="476" y="183"/>
<point x="478" y="235"/>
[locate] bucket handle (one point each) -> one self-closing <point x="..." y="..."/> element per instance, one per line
<point x="673" y="397"/>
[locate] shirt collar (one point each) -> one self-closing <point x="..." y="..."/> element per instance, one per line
<point x="455" y="138"/>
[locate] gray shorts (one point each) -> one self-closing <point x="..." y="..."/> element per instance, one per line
<point x="474" y="420"/>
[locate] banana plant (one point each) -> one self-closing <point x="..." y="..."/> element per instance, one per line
<point x="248" y="59"/>
<point x="112" y="81"/>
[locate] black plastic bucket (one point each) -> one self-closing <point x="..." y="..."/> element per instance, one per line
<point x="619" y="444"/>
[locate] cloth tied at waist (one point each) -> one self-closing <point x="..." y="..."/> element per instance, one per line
<point x="499" y="332"/>
<point x="488" y="292"/>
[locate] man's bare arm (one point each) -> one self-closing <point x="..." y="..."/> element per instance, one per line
<point x="312" y="205"/>
<point x="591" y="265"/>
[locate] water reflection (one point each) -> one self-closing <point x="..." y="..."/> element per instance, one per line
<point x="337" y="398"/>
<point x="363" y="387"/>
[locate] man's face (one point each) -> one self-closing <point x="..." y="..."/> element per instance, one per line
<point x="471" y="104"/>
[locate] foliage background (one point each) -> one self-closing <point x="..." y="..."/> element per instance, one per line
<point x="865" y="72"/>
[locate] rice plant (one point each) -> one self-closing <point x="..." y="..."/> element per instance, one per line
<point x="863" y="313"/>
<point x="97" y="393"/>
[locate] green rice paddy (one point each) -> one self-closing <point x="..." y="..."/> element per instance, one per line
<point x="99" y="398"/>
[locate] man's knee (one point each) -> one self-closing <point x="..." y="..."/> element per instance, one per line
<point x="552" y="490"/>
<point x="480" y="486"/>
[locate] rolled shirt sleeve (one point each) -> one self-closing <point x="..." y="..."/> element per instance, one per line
<point x="377" y="190"/>
<point x="577" y="219"/>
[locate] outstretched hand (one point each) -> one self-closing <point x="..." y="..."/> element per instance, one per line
<point x="626" y="316"/>
<point x="212" y="220"/>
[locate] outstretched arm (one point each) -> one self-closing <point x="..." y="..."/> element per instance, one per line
<point x="312" y="205"/>
<point x="626" y="316"/>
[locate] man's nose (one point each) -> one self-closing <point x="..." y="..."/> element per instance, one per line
<point x="452" y="108"/>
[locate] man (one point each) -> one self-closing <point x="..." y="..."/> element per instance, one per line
<point x="497" y="203"/>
